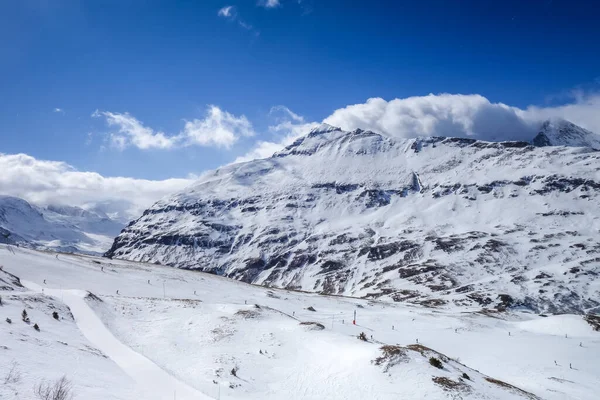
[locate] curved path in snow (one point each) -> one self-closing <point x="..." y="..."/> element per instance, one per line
<point x="150" y="378"/>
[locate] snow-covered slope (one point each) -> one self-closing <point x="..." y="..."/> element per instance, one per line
<point x="61" y="228"/>
<point x="559" y="132"/>
<point x="434" y="221"/>
<point x="138" y="331"/>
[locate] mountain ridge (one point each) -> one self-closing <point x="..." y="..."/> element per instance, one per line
<point x="55" y="227"/>
<point x="430" y="221"/>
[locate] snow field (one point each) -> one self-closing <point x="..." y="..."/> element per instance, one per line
<point x="194" y="340"/>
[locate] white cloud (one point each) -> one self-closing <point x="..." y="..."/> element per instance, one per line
<point x="227" y="12"/>
<point x="230" y="13"/>
<point x="461" y="116"/>
<point x="53" y="182"/>
<point x="132" y="132"/>
<point x="286" y="113"/>
<point x="245" y="25"/>
<point x="433" y="115"/>
<point x="269" y="3"/>
<point x="219" y="129"/>
<point x="585" y="112"/>
<point x="289" y="127"/>
<point x="58" y="110"/>
<point x="260" y="150"/>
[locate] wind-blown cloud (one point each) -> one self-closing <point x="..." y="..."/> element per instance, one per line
<point x="58" y="110"/>
<point x="269" y="3"/>
<point x="230" y="13"/>
<point x="585" y="112"/>
<point x="434" y="115"/>
<point x="46" y="182"/>
<point x="227" y="12"/>
<point x="217" y="129"/>
<point x="288" y="127"/>
<point x="461" y="116"/>
<point x="132" y="132"/>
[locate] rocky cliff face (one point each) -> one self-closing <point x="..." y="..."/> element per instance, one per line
<point x="435" y="221"/>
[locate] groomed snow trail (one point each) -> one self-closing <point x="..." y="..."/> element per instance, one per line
<point x="151" y="379"/>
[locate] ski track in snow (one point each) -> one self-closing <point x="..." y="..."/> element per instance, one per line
<point x="153" y="380"/>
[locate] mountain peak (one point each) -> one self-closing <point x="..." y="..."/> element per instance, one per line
<point x="323" y="128"/>
<point x="560" y="132"/>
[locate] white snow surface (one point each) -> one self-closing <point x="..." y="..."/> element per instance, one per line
<point x="437" y="221"/>
<point x="172" y="333"/>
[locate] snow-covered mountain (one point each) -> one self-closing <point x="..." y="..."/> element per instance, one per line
<point x="434" y="221"/>
<point x="61" y="228"/>
<point x="559" y="132"/>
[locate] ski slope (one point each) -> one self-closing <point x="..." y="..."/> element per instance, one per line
<point x="148" y="376"/>
<point x="172" y="333"/>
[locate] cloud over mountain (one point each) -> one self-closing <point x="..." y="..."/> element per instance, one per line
<point x="457" y="115"/>
<point x="53" y="182"/>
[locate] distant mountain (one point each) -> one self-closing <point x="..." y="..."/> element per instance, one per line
<point x="559" y="132"/>
<point x="431" y="221"/>
<point x="60" y="228"/>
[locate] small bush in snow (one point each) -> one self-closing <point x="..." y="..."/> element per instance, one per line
<point x="362" y="336"/>
<point x="234" y="371"/>
<point x="313" y="325"/>
<point x="449" y="384"/>
<point x="36" y="327"/>
<point x="435" y="362"/>
<point x="9" y="320"/>
<point x="14" y="375"/>
<point x="62" y="389"/>
<point x="55" y="315"/>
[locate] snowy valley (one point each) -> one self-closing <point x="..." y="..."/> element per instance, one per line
<point x="128" y="330"/>
<point x="470" y="269"/>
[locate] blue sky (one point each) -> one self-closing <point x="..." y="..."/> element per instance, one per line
<point x="164" y="62"/>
